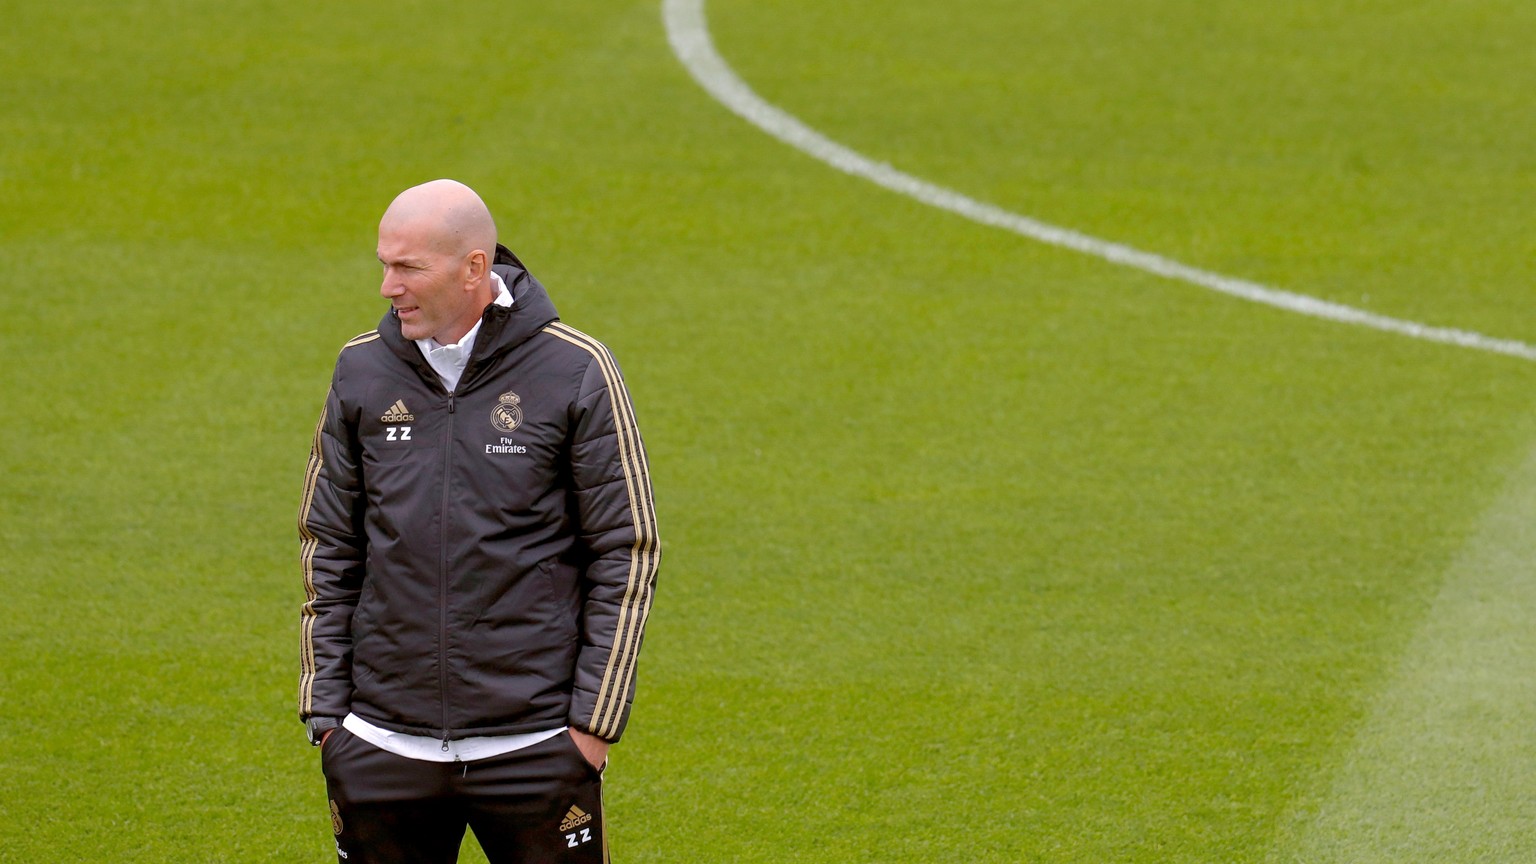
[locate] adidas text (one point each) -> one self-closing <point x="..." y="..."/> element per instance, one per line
<point x="575" y="817"/>
<point x="398" y="413"/>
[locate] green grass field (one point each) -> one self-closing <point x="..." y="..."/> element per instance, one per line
<point x="976" y="549"/>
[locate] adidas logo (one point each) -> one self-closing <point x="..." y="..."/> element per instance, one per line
<point x="398" y="413"/>
<point x="574" y="817"/>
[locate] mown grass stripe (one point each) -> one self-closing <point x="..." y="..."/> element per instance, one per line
<point x="1440" y="770"/>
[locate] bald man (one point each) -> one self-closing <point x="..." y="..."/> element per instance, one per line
<point x="479" y="552"/>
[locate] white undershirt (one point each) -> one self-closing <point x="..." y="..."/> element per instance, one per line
<point x="448" y="361"/>
<point x="429" y="749"/>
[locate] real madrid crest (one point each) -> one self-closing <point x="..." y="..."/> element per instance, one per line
<point x="508" y="413"/>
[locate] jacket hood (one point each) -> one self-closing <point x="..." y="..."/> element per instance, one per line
<point x="502" y="328"/>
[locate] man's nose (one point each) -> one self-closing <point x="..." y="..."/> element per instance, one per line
<point x="391" y="288"/>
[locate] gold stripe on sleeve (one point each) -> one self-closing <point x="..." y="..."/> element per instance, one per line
<point x="307" y="560"/>
<point x="361" y="339"/>
<point x="634" y="609"/>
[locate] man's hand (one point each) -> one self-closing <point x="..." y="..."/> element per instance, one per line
<point x="324" y="735"/>
<point x="591" y="746"/>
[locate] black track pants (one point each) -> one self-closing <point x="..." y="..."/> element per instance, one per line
<point x="539" y="805"/>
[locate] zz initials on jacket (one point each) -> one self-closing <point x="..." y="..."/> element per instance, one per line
<point x="398" y="433"/>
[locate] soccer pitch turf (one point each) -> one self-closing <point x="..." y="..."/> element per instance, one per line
<point x="976" y="549"/>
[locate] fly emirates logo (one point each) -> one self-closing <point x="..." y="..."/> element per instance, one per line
<point x="506" y="446"/>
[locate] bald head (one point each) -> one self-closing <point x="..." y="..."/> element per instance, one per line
<point x="437" y="243"/>
<point x="447" y="214"/>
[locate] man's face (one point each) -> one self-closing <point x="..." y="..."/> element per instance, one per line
<point x="425" y="285"/>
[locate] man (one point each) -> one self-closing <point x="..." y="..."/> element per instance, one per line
<point x="479" y="553"/>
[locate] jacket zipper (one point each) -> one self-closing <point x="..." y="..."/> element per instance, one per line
<point x="442" y="581"/>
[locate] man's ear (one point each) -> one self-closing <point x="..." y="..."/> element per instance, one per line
<point x="478" y="266"/>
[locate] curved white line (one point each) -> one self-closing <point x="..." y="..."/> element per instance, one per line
<point x="688" y="32"/>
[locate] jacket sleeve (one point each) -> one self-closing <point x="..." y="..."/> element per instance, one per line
<point x="333" y="551"/>
<point x="618" y="527"/>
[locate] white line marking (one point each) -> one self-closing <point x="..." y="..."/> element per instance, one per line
<point x="688" y="32"/>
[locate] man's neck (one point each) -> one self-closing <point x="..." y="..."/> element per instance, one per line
<point x="461" y="328"/>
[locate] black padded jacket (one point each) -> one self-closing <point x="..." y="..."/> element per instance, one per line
<point x="478" y="562"/>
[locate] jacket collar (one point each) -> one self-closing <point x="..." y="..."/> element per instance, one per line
<point x="502" y="328"/>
